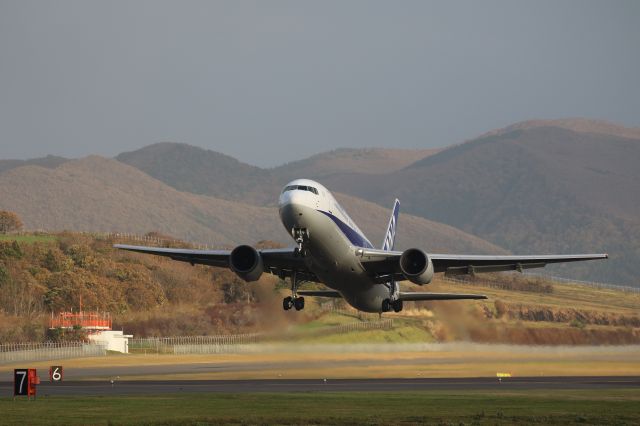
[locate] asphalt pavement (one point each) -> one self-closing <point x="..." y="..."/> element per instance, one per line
<point x="124" y="387"/>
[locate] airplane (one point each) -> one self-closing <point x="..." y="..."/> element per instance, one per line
<point x="331" y="249"/>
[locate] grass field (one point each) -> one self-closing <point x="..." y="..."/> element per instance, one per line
<point x="564" y="295"/>
<point x="440" y="407"/>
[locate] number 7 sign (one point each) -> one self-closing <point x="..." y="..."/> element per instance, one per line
<point x="20" y="382"/>
<point x="25" y="381"/>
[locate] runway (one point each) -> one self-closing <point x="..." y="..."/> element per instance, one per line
<point x="105" y="387"/>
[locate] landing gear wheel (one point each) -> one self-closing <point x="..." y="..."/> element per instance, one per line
<point x="386" y="305"/>
<point x="396" y="305"/>
<point x="299" y="303"/>
<point x="287" y="303"/>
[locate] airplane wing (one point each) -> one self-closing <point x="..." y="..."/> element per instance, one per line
<point x="279" y="262"/>
<point x="384" y="265"/>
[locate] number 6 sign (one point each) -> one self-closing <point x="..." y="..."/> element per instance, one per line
<point x="55" y="373"/>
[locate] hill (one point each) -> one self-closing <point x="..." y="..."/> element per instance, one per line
<point x="529" y="189"/>
<point x="582" y="125"/>
<point x="367" y="160"/>
<point x="200" y="171"/>
<point x="98" y="194"/>
<point x="152" y="296"/>
<point x="50" y="161"/>
<point x="553" y="186"/>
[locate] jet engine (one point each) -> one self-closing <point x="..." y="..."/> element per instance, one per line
<point x="246" y="262"/>
<point x="416" y="266"/>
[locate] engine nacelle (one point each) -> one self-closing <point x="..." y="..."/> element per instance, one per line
<point x="246" y="262"/>
<point x="416" y="266"/>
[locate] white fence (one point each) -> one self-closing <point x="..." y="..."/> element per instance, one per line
<point x="193" y="344"/>
<point x="24" y="352"/>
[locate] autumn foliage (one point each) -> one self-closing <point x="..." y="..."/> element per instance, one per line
<point x="9" y="221"/>
<point x="145" y="294"/>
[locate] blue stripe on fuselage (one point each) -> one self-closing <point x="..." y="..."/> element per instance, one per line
<point x="354" y="236"/>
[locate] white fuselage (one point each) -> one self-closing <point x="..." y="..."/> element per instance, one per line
<point x="330" y="248"/>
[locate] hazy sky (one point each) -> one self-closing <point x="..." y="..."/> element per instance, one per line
<point x="273" y="81"/>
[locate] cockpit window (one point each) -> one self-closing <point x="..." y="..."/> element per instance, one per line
<point x="300" y="188"/>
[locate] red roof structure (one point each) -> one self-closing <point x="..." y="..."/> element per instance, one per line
<point x="87" y="320"/>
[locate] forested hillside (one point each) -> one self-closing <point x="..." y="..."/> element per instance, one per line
<point x="152" y="296"/>
<point x="145" y="294"/>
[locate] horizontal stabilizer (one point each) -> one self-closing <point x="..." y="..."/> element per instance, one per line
<point x="438" y="296"/>
<point x="319" y="293"/>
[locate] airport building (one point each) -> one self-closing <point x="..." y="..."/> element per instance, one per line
<point x="98" y="327"/>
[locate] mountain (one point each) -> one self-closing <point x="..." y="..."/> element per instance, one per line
<point x="582" y="125"/>
<point x="50" y="161"/>
<point x="345" y="160"/>
<point x="99" y="194"/>
<point x="201" y="171"/>
<point x="542" y="186"/>
<point x="529" y="188"/>
<point x="413" y="231"/>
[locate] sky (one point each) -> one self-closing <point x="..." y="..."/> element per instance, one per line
<point x="269" y="82"/>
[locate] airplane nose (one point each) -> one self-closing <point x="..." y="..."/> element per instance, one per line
<point x="290" y="214"/>
<point x="290" y="197"/>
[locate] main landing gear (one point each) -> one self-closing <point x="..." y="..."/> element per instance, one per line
<point x="388" y="305"/>
<point x="289" y="302"/>
<point x="293" y="301"/>
<point x="393" y="302"/>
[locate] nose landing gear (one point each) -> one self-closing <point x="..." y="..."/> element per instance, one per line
<point x="301" y="235"/>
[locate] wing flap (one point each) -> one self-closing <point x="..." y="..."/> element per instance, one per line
<point x="379" y="263"/>
<point x="203" y="257"/>
<point x="472" y="269"/>
<point x="457" y="263"/>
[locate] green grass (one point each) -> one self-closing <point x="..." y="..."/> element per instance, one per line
<point x="401" y="333"/>
<point x="328" y="319"/>
<point x="441" y="407"/>
<point x="28" y="238"/>
<point x="405" y="330"/>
